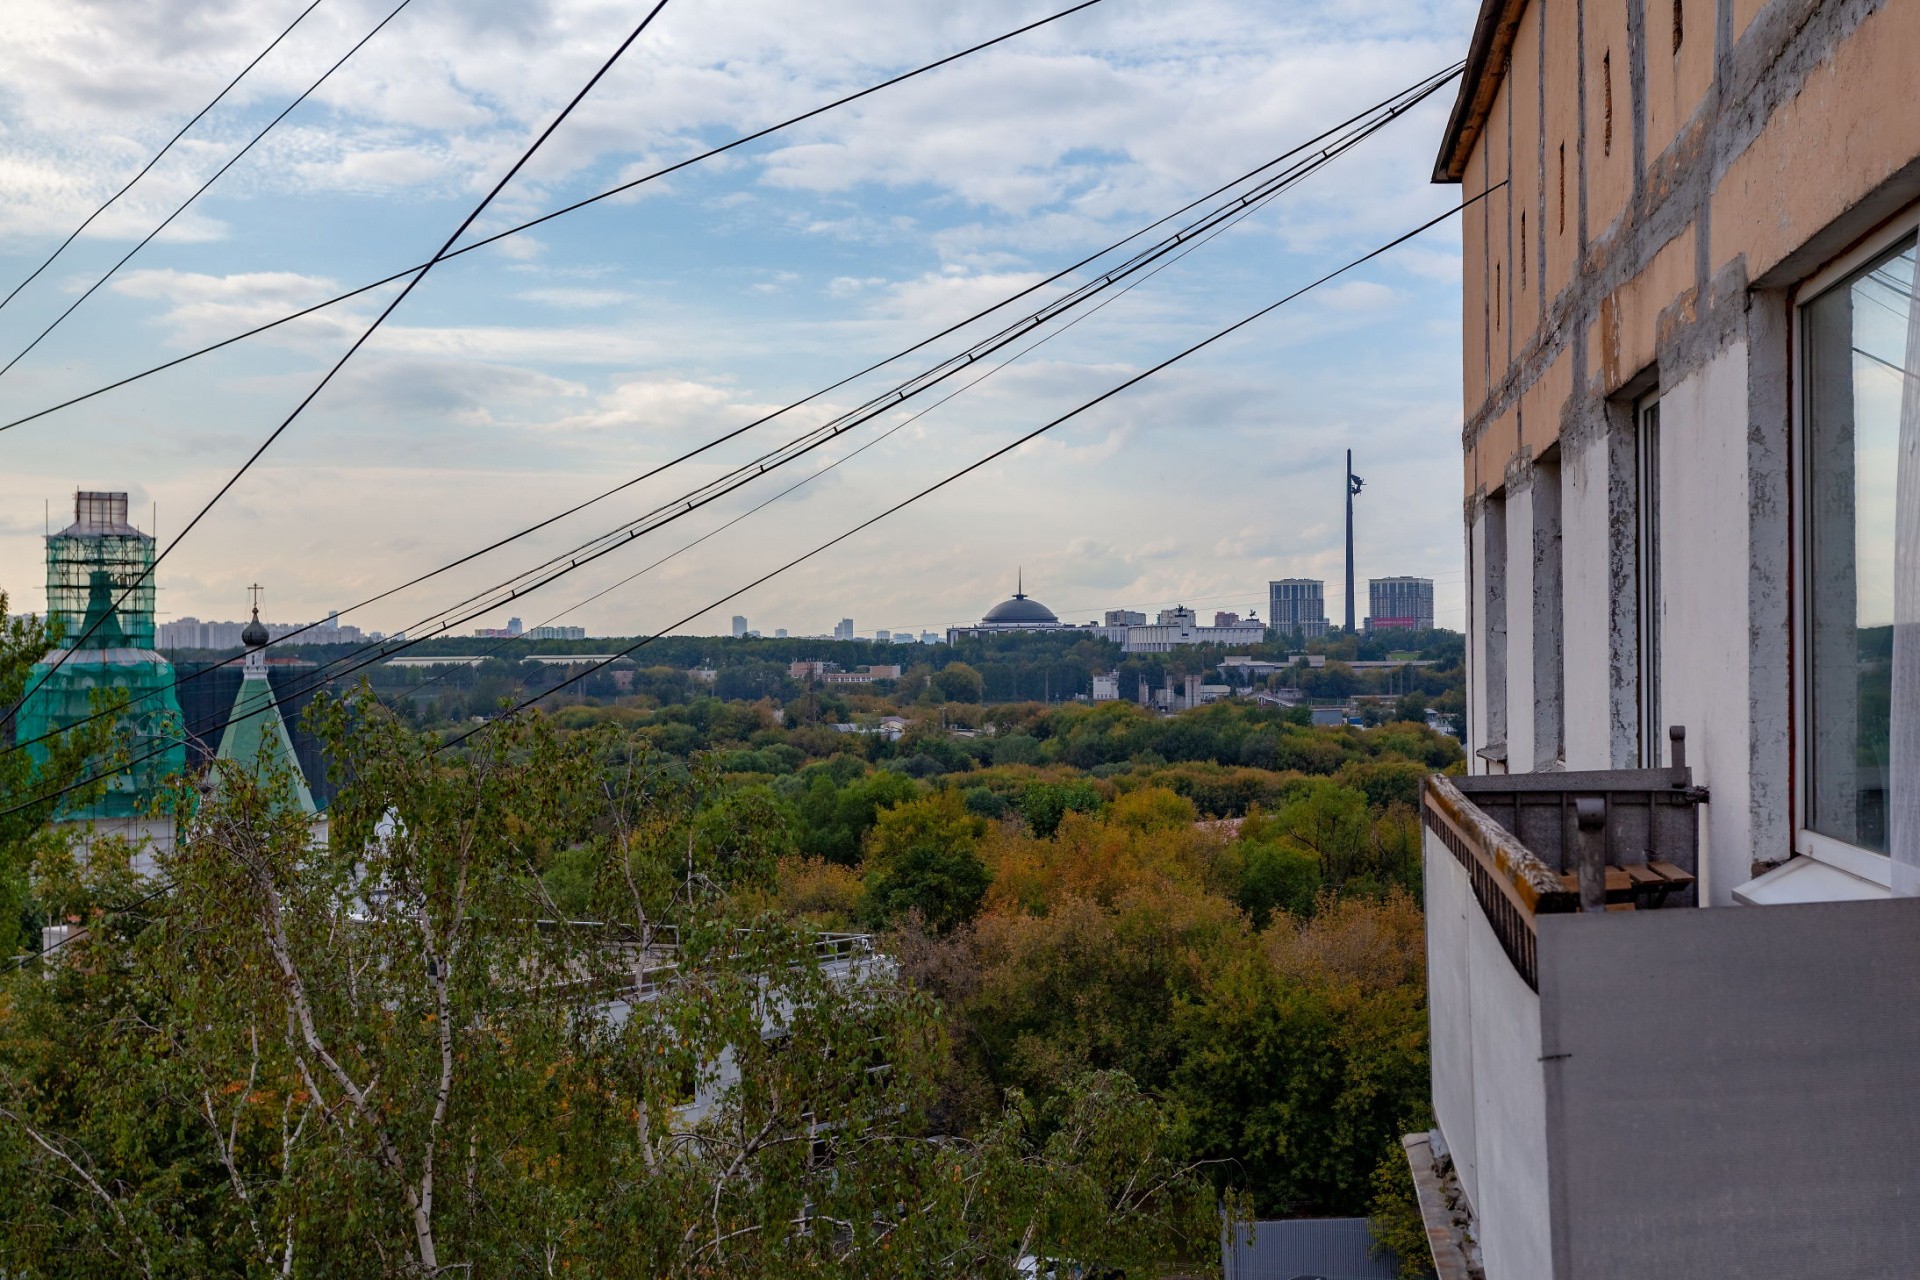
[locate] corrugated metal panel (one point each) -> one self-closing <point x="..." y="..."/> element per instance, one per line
<point x="1306" y="1249"/>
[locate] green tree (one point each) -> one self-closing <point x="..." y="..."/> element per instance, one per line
<point x="32" y="792"/>
<point x="387" y="1055"/>
<point x="923" y="857"/>
<point x="1043" y="804"/>
<point x="832" y="818"/>
<point x="958" y="682"/>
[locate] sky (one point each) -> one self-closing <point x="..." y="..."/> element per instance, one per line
<point x="531" y="374"/>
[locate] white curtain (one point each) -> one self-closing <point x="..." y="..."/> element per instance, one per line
<point x="1903" y="749"/>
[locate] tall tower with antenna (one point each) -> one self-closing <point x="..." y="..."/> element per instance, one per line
<point x="1353" y="487"/>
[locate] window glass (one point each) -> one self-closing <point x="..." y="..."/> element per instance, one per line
<point x="1855" y="340"/>
<point x="1651" y="604"/>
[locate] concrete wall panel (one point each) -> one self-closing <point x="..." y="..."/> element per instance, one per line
<point x="1449" y="908"/>
<point x="1587" y="594"/>
<point x="1733" y="1093"/>
<point x="1524" y="101"/>
<point x="1486" y="1029"/>
<point x="1476" y="317"/>
<point x="1627" y="332"/>
<point x="1744" y="12"/>
<point x="1826" y="148"/>
<point x="1704" y="585"/>
<point x="1543" y="404"/>
<point x="1609" y="116"/>
<point x="1561" y="84"/>
<point x="1500" y="210"/>
<point x="1520" y="619"/>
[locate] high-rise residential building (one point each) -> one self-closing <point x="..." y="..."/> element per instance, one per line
<point x="883" y="635"/>
<point x="844" y="629"/>
<point x="1298" y="604"/>
<point x="1221" y="619"/>
<point x="739" y="627"/>
<point x="1124" y="618"/>
<point x="1178" y="616"/>
<point x="1673" y="909"/>
<point x="557" y="633"/>
<point x="779" y="633"/>
<point x="1400" y="604"/>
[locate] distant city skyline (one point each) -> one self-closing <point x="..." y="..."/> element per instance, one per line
<point x="535" y="372"/>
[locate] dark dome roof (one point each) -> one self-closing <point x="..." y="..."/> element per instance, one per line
<point x="254" y="634"/>
<point x="1021" y="609"/>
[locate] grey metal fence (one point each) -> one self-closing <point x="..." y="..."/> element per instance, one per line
<point x="1305" y="1249"/>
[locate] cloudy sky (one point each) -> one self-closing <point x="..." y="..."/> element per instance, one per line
<point x="528" y="375"/>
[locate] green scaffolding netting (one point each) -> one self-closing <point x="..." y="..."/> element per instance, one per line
<point x="88" y="568"/>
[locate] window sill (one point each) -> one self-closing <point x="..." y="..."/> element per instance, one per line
<point x="1805" y="879"/>
<point x="1852" y="859"/>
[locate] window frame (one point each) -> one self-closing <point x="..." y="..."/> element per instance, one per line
<point x="1650" y="599"/>
<point x="1838" y="273"/>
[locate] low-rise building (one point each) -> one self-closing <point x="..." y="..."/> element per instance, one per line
<point x="1178" y="627"/>
<point x="864" y="675"/>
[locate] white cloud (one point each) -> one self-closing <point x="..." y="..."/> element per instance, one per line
<point x="739" y="285"/>
<point x="576" y="299"/>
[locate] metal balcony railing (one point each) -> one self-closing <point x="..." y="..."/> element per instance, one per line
<point x="1538" y="844"/>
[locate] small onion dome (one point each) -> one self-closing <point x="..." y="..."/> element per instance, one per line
<point x="254" y="634"/>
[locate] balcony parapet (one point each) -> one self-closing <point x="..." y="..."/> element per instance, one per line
<point x="1539" y="844"/>
<point x="1511" y="884"/>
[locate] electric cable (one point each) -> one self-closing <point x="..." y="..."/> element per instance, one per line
<point x="1178" y="243"/>
<point x="325" y="676"/>
<point x="201" y="189"/>
<point x="744" y="473"/>
<point x="308" y="399"/>
<point x="764" y="503"/>
<point x="158" y="155"/>
<point x="1104" y="396"/>
<point x="971" y="467"/>
<point x="1430" y="84"/>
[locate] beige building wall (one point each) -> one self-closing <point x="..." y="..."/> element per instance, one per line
<point x="1671" y="172"/>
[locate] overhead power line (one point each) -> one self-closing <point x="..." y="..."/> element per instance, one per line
<point x="158" y="155"/>
<point x="201" y="189"/>
<point x="809" y="478"/>
<point x="747" y="472"/>
<point x="303" y="312"/>
<point x="1356" y="129"/>
<point x="971" y="467"/>
<point x="308" y="399"/>
<point x="1030" y="436"/>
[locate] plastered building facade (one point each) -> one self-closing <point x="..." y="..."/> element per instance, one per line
<point x="1674" y="981"/>
<point x="1681" y="177"/>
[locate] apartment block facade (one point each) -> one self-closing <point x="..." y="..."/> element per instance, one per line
<point x="1298" y="604"/>
<point x="1400" y="604"/>
<point x="1674" y="942"/>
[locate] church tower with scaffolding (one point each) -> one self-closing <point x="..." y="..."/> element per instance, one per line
<point x="100" y="616"/>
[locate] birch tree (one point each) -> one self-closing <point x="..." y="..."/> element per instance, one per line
<point x="392" y="1053"/>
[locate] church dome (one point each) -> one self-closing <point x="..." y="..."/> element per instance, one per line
<point x="1021" y="610"/>
<point x="254" y="634"/>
